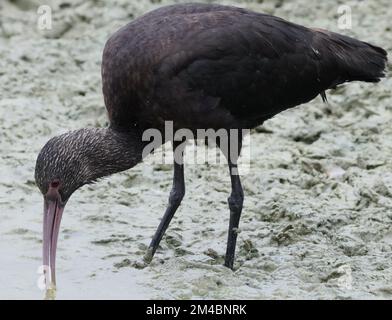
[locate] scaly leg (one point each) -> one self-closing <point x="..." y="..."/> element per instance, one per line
<point x="176" y="195"/>
<point x="235" y="201"/>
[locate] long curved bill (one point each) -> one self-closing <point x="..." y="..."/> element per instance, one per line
<point x="53" y="212"/>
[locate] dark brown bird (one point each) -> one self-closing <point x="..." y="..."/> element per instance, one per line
<point x="201" y="66"/>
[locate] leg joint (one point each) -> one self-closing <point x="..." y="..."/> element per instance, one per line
<point x="235" y="202"/>
<point x="176" y="196"/>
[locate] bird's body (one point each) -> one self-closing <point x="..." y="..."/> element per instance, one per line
<point x="213" y="66"/>
<point x="200" y="66"/>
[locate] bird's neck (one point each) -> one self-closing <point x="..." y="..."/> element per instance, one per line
<point x="110" y="151"/>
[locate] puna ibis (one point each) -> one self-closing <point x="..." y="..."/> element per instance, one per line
<point x="201" y="66"/>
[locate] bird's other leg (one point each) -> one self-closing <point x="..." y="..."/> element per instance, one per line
<point x="176" y="195"/>
<point x="235" y="199"/>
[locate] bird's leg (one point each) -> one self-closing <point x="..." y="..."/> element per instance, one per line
<point x="236" y="198"/>
<point x="176" y="195"/>
<point x="235" y="201"/>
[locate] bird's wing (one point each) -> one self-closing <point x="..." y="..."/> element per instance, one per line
<point x="256" y="65"/>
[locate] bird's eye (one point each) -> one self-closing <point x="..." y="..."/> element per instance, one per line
<point x="55" y="184"/>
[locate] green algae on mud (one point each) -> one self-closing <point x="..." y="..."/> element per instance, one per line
<point x="318" y="197"/>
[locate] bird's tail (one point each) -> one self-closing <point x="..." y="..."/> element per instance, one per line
<point x="353" y="60"/>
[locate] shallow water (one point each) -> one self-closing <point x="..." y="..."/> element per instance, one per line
<point x="318" y="208"/>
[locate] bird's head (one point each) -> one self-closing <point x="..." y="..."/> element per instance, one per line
<point x="74" y="159"/>
<point x="61" y="167"/>
<point x="59" y="171"/>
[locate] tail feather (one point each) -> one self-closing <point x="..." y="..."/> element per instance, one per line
<point x="354" y="60"/>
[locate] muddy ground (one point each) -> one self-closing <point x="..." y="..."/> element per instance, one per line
<point x="317" y="215"/>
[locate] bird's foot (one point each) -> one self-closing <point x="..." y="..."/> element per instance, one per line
<point x="139" y="264"/>
<point x="229" y="264"/>
<point x="148" y="256"/>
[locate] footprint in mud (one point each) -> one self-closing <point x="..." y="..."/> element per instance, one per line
<point x="274" y="211"/>
<point x="291" y="234"/>
<point x="179" y="252"/>
<point x="173" y="241"/>
<point x="340" y="276"/>
<point x="145" y="259"/>
<point x="248" y="250"/>
<point x="113" y="239"/>
<point x="129" y="263"/>
<point x="216" y="259"/>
